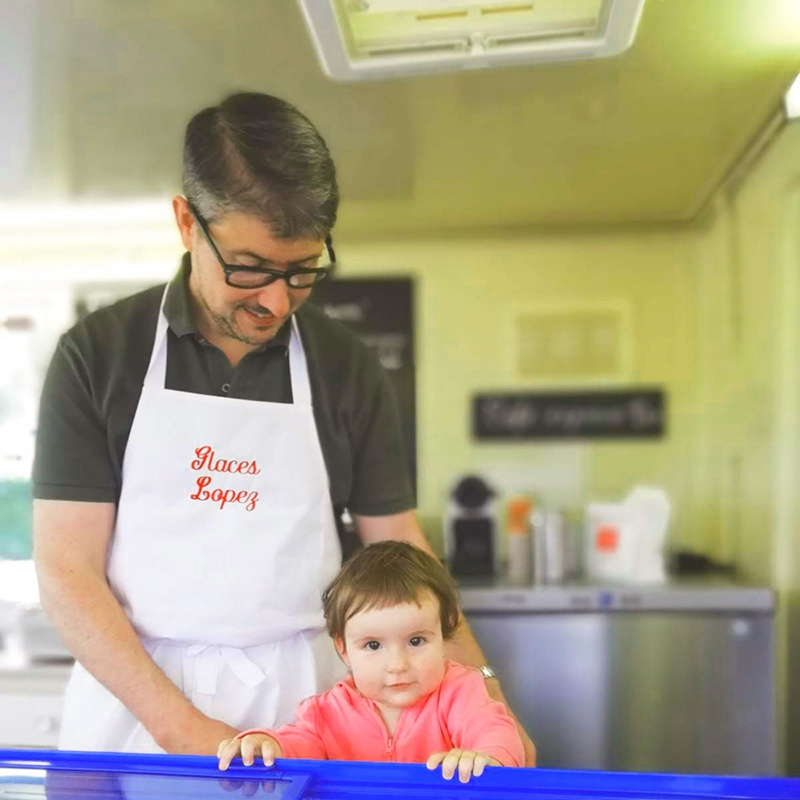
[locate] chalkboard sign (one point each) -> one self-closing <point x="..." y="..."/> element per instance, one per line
<point x="632" y="414"/>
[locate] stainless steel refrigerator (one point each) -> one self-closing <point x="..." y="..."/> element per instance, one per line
<point x="673" y="679"/>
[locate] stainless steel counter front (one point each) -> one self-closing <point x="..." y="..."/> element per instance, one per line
<point x="676" y="678"/>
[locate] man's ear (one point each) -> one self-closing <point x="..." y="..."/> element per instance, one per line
<point x="338" y="643"/>
<point x="185" y="221"/>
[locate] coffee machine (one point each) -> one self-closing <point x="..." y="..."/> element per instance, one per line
<point x="471" y="542"/>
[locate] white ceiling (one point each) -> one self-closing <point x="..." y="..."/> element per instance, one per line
<point x="640" y="138"/>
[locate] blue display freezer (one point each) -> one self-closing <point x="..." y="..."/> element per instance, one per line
<point x="35" y="775"/>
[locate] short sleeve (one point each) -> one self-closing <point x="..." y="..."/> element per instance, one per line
<point x="380" y="478"/>
<point x="72" y="457"/>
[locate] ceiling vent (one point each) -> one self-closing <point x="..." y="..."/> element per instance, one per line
<point x="369" y="39"/>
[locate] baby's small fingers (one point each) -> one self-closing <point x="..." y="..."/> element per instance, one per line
<point x="228" y="753"/>
<point x="268" y="752"/>
<point x="249" y="745"/>
<point x="222" y="745"/>
<point x="450" y="763"/>
<point x="434" y="759"/>
<point x="465" y="764"/>
<point x="480" y="762"/>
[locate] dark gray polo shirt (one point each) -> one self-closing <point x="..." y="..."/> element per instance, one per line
<point x="95" y="378"/>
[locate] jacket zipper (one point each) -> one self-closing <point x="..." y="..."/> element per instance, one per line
<point x="389" y="751"/>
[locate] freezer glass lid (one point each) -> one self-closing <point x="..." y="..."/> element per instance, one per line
<point x="91" y="785"/>
<point x="59" y="775"/>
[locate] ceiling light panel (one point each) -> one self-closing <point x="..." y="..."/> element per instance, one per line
<point x="367" y="39"/>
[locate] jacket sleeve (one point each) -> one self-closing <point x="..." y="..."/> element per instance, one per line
<point x="476" y="722"/>
<point x="300" y="739"/>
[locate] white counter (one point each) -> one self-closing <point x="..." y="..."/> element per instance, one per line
<point x="31" y="701"/>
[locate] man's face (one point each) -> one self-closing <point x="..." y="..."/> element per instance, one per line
<point x="251" y="316"/>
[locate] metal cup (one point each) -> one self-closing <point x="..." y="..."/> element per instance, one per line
<point x="548" y="545"/>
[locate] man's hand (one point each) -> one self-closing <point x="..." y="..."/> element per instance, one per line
<point x="496" y="693"/>
<point x="468" y="763"/>
<point x="248" y="747"/>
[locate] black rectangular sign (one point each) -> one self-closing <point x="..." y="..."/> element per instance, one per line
<point x="380" y="311"/>
<point x="629" y="414"/>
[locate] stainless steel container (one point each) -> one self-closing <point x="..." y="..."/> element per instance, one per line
<point x="548" y="545"/>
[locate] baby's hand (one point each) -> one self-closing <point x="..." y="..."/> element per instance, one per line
<point x="248" y="747"/>
<point x="468" y="763"/>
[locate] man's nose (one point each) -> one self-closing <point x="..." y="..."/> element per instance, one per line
<point x="275" y="296"/>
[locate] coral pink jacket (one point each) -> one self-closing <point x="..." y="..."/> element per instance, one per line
<point x="343" y="725"/>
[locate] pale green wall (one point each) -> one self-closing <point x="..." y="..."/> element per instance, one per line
<point x="747" y="438"/>
<point x="468" y="291"/>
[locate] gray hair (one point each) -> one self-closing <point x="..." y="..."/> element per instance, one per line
<point x="258" y="154"/>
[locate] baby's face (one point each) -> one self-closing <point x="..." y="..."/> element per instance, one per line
<point x="396" y="654"/>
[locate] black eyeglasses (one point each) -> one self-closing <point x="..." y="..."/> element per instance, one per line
<point x="241" y="277"/>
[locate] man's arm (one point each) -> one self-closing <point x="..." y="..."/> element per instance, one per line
<point x="462" y="647"/>
<point x="71" y="542"/>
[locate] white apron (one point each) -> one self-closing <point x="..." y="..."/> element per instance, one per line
<point x="224" y="540"/>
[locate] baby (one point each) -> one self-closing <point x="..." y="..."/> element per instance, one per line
<point x="390" y="611"/>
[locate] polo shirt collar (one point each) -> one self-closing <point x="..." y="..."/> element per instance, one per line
<point x="178" y="308"/>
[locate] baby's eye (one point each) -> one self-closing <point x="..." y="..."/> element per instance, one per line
<point x="373" y="645"/>
<point x="416" y="641"/>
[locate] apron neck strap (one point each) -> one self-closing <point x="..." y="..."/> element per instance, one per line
<point x="157" y="369"/>
<point x="298" y="367"/>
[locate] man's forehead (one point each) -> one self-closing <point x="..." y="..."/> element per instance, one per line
<point x="258" y="225"/>
<point x="246" y="234"/>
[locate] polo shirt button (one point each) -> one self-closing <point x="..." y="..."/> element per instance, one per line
<point x="226" y="387"/>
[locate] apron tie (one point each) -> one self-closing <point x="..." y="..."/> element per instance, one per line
<point x="209" y="658"/>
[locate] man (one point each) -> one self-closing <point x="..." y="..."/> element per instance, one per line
<point x="193" y="442"/>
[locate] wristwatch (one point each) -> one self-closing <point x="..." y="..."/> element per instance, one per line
<point x="488" y="672"/>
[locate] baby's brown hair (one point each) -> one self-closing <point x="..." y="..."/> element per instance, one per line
<point x="387" y="574"/>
